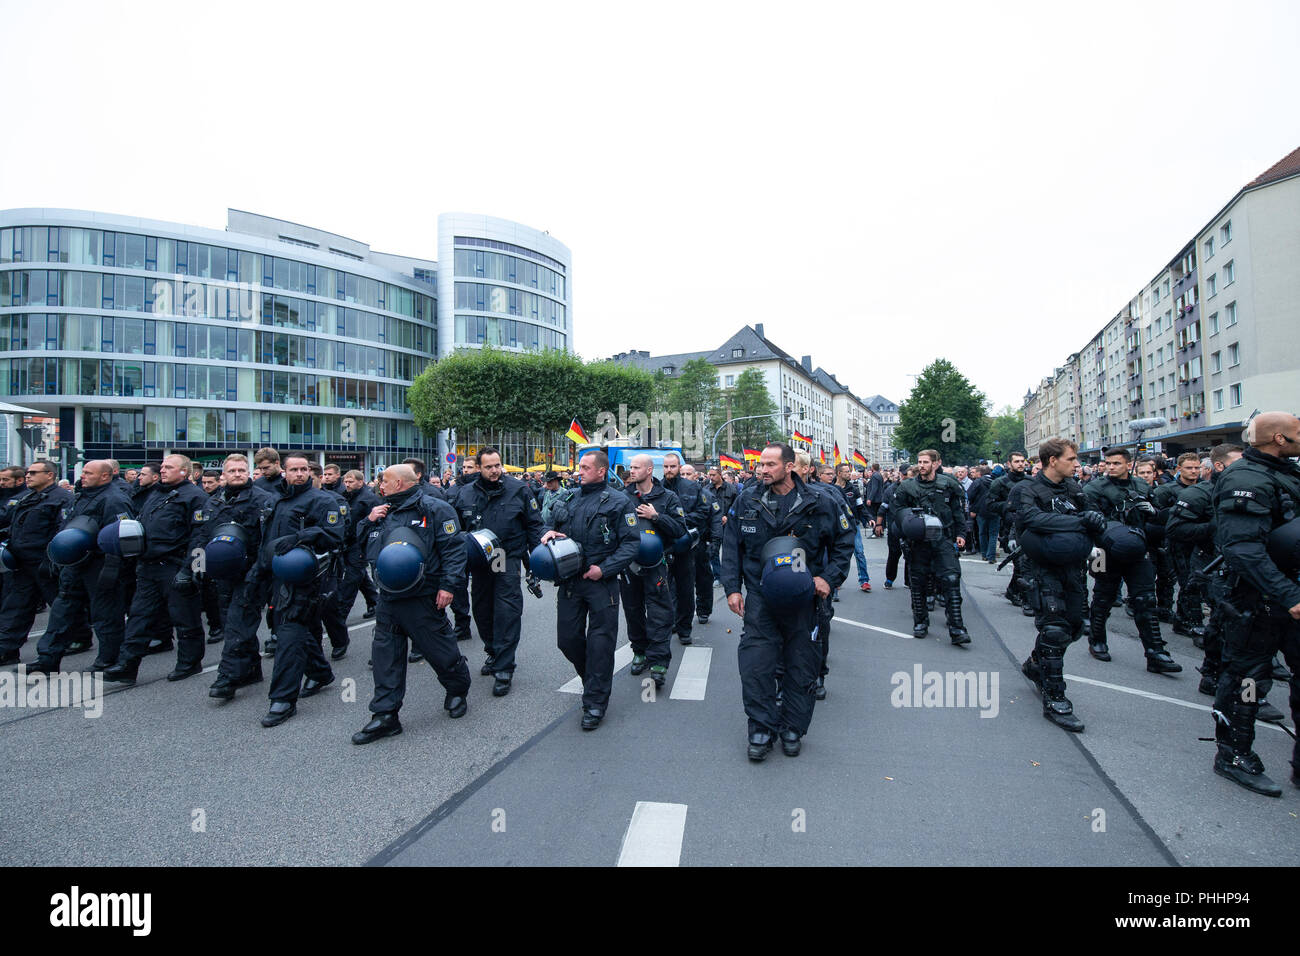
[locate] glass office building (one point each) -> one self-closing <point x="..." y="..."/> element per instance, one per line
<point x="143" y="338"/>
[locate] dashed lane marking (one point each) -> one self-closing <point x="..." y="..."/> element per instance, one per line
<point x="872" y="627"/>
<point x="1160" y="697"/>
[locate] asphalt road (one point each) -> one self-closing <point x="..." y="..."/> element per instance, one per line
<point x="168" y="776"/>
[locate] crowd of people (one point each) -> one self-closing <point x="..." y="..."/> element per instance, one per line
<point x="133" y="563"/>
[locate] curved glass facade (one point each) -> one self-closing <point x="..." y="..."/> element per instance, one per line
<point x="510" y="285"/>
<point x="143" y="339"/>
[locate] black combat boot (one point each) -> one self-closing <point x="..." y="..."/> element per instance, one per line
<point x="952" y="610"/>
<point x="920" y="614"/>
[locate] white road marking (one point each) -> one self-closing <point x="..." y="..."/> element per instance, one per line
<point x="622" y="657"/>
<point x="693" y="674"/>
<point x="654" y="837"/>
<point x="871" y="627"/>
<point x="209" y="670"/>
<point x="1160" y="697"/>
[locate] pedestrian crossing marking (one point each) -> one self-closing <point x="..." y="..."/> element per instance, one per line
<point x="654" y="837"/>
<point x="692" y="674"/>
<point x="622" y="657"/>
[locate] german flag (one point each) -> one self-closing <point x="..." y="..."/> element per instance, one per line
<point x="751" y="454"/>
<point x="838" y="458"/>
<point x="576" y="434"/>
<point x="726" y="461"/>
<point x="859" y="458"/>
<point x="822" y="453"/>
<point x="800" y="436"/>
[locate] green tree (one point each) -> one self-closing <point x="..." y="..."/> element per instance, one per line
<point x="695" y="392"/>
<point x="1006" y="434"/>
<point x="748" y="397"/>
<point x="484" y="392"/>
<point x="945" y="412"/>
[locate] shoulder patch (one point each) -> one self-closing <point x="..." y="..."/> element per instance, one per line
<point x="332" y="517"/>
<point x="715" y="506"/>
<point x="630" y="518"/>
<point x="844" y="522"/>
<point x="449" y="527"/>
<point x="680" y="512"/>
<point x="198" y="515"/>
<point x="533" y="502"/>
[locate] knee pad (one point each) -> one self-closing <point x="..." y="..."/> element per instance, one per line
<point x="1143" y="602"/>
<point x="950" y="579"/>
<point x="1055" y="638"/>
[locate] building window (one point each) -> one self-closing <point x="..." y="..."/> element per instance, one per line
<point x="738" y="353"/>
<point x="1218" y="399"/>
<point x="1225" y="233"/>
<point x="1231" y="312"/>
<point x="1164" y="290"/>
<point x="1209" y="248"/>
<point x="1234" y="355"/>
<point x="1214" y="323"/>
<point x="731" y="380"/>
<point x="1211" y="286"/>
<point x="1229" y="273"/>
<point x="1216" y="362"/>
<point x="669" y="369"/>
<point x="1234" y="394"/>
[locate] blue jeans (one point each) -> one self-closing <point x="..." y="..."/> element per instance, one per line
<point x="989" y="535"/>
<point x="860" y="555"/>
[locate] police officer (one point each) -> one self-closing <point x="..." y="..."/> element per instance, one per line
<point x="648" y="603"/>
<point x="855" y="499"/>
<point x="270" y="477"/>
<point x="1252" y="500"/>
<point x="333" y="615"/>
<point x="602" y="521"/>
<point x="1157" y="550"/>
<point x="29" y="521"/>
<point x="724" y="493"/>
<point x="242" y="502"/>
<point x="1188" y="618"/>
<point x="173" y="517"/>
<point x="303" y="517"/>
<point x="419" y="527"/>
<point x="460" y="606"/>
<point x="780" y="630"/>
<point x="1125" y="499"/>
<point x="999" y="497"/>
<point x="682" y="563"/>
<point x="503" y="505"/>
<point x="932" y="492"/>
<point x="1191" y="528"/>
<point x="361" y="500"/>
<point x="1055" y="529"/>
<point x="707" y="550"/>
<point x="90" y="586"/>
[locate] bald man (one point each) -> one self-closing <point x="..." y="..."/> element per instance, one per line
<point x="89" y="588"/>
<point x="1255" y="496"/>
<point x="418" y="613"/>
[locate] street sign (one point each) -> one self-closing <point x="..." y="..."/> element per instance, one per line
<point x="451" y="458"/>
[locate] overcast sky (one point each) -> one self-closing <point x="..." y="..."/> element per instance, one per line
<point x="879" y="184"/>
